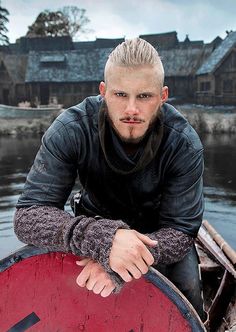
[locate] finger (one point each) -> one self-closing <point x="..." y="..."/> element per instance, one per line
<point x="98" y="287"/>
<point x="81" y="281"/>
<point x="134" y="271"/>
<point x="147" y="257"/>
<point x="107" y="290"/>
<point x="83" y="261"/>
<point x="142" y="266"/>
<point x="91" y="283"/>
<point x="146" y="240"/>
<point x="101" y="284"/>
<point x="124" y="274"/>
<point x="83" y="277"/>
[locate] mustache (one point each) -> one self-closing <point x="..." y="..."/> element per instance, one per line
<point x="131" y="118"/>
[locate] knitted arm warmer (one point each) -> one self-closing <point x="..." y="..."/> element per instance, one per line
<point x="51" y="228"/>
<point x="172" y="245"/>
<point x="54" y="229"/>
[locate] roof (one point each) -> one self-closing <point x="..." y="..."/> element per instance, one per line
<point x="218" y="54"/>
<point x="86" y="65"/>
<point x="59" y="43"/>
<point x="183" y="62"/>
<point x="82" y="65"/>
<point x="165" y="40"/>
<point x="98" y="43"/>
<point x="16" y="66"/>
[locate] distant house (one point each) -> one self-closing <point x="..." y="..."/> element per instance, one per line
<point x="167" y="40"/>
<point x="181" y="60"/>
<point x="12" y="78"/>
<point x="180" y="66"/>
<point x="216" y="77"/>
<point x="67" y="76"/>
<point x="56" y="69"/>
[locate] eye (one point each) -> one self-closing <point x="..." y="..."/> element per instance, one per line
<point x="144" y="96"/>
<point x="120" y="94"/>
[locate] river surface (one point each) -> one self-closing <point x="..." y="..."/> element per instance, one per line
<point x="17" y="154"/>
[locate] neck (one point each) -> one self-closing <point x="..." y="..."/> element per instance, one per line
<point x="130" y="148"/>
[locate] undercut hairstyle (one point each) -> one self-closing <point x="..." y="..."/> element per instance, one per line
<point x="133" y="53"/>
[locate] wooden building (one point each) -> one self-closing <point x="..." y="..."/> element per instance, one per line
<point x="180" y="66"/>
<point x="67" y="77"/>
<point x="56" y="69"/>
<point x="216" y="78"/>
<point x="70" y="75"/>
<point x="12" y="78"/>
<point x="181" y="61"/>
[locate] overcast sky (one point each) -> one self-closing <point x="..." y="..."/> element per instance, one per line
<point x="200" y="19"/>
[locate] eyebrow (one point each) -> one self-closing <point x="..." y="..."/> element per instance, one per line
<point x="139" y="93"/>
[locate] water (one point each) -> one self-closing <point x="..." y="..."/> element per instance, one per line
<point x="220" y="184"/>
<point x="17" y="154"/>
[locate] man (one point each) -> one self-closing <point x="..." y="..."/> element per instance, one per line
<point x="140" y="165"/>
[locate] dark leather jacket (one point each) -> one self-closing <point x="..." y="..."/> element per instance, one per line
<point x="165" y="190"/>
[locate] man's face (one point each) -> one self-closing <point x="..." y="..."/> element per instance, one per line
<point x="133" y="97"/>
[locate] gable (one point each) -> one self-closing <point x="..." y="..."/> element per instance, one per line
<point x="218" y="55"/>
<point x="4" y="75"/>
<point x="228" y="64"/>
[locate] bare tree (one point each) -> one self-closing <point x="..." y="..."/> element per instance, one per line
<point x="66" y="22"/>
<point x="4" y="40"/>
<point x="77" y="20"/>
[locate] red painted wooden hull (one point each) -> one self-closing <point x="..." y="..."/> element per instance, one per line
<point x="40" y="293"/>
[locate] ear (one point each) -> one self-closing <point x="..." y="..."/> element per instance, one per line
<point x="164" y="94"/>
<point x="102" y="88"/>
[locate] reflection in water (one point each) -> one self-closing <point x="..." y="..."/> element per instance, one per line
<point x="17" y="154"/>
<point x="220" y="184"/>
<point x="220" y="161"/>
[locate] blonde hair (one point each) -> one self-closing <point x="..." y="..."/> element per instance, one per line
<point x="133" y="53"/>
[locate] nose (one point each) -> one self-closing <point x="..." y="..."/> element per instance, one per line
<point x="131" y="107"/>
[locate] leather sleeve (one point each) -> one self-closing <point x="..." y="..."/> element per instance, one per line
<point x="53" y="174"/>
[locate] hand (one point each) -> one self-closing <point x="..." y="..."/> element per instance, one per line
<point x="94" y="278"/>
<point x="129" y="256"/>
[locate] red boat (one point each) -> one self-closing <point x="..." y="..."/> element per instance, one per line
<point x="39" y="293"/>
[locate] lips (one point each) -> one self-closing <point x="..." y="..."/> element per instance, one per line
<point x="130" y="120"/>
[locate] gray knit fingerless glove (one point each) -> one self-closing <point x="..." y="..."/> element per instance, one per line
<point x="93" y="238"/>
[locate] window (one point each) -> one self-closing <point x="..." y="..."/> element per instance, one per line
<point x="53" y="61"/>
<point x="205" y="86"/>
<point x="228" y="86"/>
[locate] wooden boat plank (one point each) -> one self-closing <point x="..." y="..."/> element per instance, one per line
<point x="207" y="241"/>
<point x="224" y="246"/>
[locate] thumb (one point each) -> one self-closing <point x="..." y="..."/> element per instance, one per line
<point x="146" y="240"/>
<point x="83" y="261"/>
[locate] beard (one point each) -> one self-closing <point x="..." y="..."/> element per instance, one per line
<point x="131" y="139"/>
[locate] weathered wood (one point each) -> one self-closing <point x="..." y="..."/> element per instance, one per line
<point x="206" y="263"/>
<point x="229" y="252"/>
<point x="207" y="241"/>
<point x="220" y="302"/>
